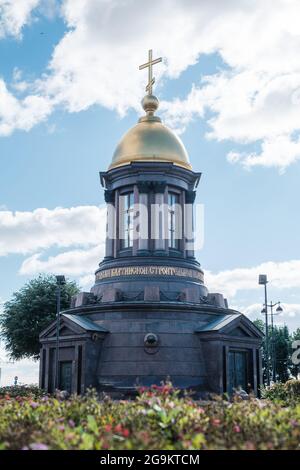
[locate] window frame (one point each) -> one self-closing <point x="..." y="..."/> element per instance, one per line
<point x="173" y="243"/>
<point x="127" y="215"/>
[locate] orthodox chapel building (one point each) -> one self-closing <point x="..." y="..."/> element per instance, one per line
<point x="149" y="316"/>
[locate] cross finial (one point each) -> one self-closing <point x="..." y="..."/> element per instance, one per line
<point x="149" y="64"/>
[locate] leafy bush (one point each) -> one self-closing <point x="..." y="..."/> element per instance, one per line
<point x="157" y="419"/>
<point x="287" y="393"/>
<point x="32" y="391"/>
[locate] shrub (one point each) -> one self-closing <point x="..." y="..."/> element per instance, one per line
<point x="32" y="391"/>
<point x="159" y="418"/>
<point x="287" y="393"/>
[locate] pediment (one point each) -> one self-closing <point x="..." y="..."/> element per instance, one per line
<point x="72" y="325"/>
<point x="64" y="330"/>
<point x="240" y="331"/>
<point x="235" y="325"/>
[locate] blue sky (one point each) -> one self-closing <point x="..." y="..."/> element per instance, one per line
<point x="70" y="88"/>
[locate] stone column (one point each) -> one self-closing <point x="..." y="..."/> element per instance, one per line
<point x="226" y="365"/>
<point x="143" y="218"/>
<point x="135" y="241"/>
<point x="181" y="227"/>
<point x="83" y="368"/>
<point x="110" y="224"/>
<point x="260" y="370"/>
<point x="159" y="220"/>
<point x="254" y="369"/>
<point x="117" y="224"/>
<point x="189" y="224"/>
<point x="47" y="369"/>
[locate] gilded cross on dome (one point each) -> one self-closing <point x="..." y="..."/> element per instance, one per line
<point x="149" y="64"/>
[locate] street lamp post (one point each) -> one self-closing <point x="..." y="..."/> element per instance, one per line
<point x="262" y="280"/>
<point x="278" y="310"/>
<point x="60" y="280"/>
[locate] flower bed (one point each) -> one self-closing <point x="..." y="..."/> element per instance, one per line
<point x="157" y="419"/>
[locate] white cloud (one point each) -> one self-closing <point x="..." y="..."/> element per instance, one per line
<point x="97" y="60"/>
<point x="29" y="232"/>
<point x="73" y="262"/>
<point x="14" y="14"/>
<point x="26" y="370"/>
<point x="87" y="281"/>
<point x="253" y="98"/>
<point x="282" y="275"/>
<point x="37" y="231"/>
<point x="21" y="114"/>
<point x="290" y="315"/>
<point x="280" y="151"/>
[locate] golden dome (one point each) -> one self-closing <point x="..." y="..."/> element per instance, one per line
<point x="150" y="141"/>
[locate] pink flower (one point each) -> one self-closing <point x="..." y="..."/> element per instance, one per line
<point x="38" y="446"/>
<point x="250" y="445"/>
<point x="236" y="428"/>
<point x="34" y="405"/>
<point x="71" y="423"/>
<point x="216" y="422"/>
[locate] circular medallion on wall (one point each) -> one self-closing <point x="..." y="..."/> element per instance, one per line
<point x="151" y="343"/>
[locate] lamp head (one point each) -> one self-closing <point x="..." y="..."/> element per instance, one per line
<point x="61" y="280"/>
<point x="262" y="279"/>
<point x="279" y="309"/>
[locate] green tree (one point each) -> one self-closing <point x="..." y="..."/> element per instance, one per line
<point x="294" y="368"/>
<point x="29" y="312"/>
<point x="261" y="326"/>
<point x="282" y="348"/>
<point x="282" y="342"/>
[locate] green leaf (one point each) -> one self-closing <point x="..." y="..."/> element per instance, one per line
<point x="92" y="424"/>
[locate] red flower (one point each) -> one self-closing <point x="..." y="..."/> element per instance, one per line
<point x="108" y="427"/>
<point x="118" y="428"/>
<point x="125" y="432"/>
<point x="166" y="389"/>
